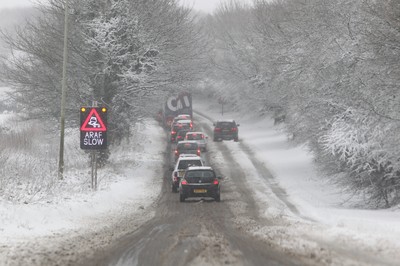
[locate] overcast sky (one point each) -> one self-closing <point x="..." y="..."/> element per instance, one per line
<point x="14" y="3"/>
<point x="203" y="5"/>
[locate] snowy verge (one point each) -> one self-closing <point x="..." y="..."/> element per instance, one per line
<point x="129" y="186"/>
<point x="322" y="211"/>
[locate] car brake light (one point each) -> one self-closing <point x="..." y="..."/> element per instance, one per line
<point x="216" y="182"/>
<point x="217" y="129"/>
<point x="184" y="182"/>
<point x="176" y="152"/>
<point x="198" y="152"/>
<point x="234" y="129"/>
<point x="173" y="132"/>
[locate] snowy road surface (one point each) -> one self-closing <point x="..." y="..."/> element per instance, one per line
<point x="264" y="217"/>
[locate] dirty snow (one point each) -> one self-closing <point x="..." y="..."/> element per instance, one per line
<point x="322" y="210"/>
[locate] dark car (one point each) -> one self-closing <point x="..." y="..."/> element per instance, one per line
<point x="199" y="181"/>
<point x="187" y="147"/>
<point x="181" y="135"/>
<point x="178" y="127"/>
<point x="226" y="130"/>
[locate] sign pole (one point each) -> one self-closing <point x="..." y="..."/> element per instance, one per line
<point x="95" y="171"/>
<point x="63" y="92"/>
<point x="92" y="169"/>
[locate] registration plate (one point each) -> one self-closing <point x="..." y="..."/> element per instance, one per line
<point x="200" y="190"/>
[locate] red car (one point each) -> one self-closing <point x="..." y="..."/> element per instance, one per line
<point x="226" y="130"/>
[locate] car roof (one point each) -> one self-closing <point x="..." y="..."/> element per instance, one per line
<point x="186" y="156"/>
<point x="194" y="168"/>
<point x="195" y="132"/>
<point x="184" y="121"/>
<point x="226" y="120"/>
<point x="187" y="141"/>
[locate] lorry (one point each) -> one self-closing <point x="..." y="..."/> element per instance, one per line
<point x="176" y="105"/>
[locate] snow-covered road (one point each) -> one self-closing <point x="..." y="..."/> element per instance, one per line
<point x="304" y="213"/>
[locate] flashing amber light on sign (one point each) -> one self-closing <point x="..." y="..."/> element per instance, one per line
<point x="83" y="109"/>
<point x="104" y="109"/>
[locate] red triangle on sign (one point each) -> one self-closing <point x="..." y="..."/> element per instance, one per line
<point x="93" y="122"/>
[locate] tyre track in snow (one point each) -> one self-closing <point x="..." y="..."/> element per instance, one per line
<point x="261" y="169"/>
<point x="197" y="232"/>
<point x="308" y="241"/>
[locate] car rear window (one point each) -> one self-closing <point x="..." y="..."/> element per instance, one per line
<point x="187" y="146"/>
<point x="201" y="176"/>
<point x="186" y="163"/>
<point x="195" y="136"/>
<point x="182" y="132"/>
<point x="181" y="127"/>
<point x="226" y="124"/>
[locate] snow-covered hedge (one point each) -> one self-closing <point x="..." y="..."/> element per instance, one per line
<point x="331" y="69"/>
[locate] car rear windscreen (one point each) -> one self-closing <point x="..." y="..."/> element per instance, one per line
<point x="226" y="124"/>
<point x="200" y="176"/>
<point x="183" y="164"/>
<point x="187" y="146"/>
<point x="194" y="136"/>
<point x="181" y="127"/>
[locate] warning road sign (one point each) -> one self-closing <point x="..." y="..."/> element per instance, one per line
<point x="93" y="121"/>
<point x="93" y="128"/>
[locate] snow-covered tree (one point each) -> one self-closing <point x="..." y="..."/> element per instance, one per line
<point x="330" y="69"/>
<point x="123" y="54"/>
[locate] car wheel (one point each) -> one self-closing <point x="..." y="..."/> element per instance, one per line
<point x="174" y="189"/>
<point x="215" y="139"/>
<point x="236" y="139"/>
<point x="181" y="198"/>
<point x="217" y="198"/>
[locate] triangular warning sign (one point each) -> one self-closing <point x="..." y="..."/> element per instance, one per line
<point x="93" y="122"/>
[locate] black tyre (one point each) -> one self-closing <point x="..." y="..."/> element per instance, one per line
<point x="217" y="198"/>
<point x="174" y="189"/>
<point x="181" y="198"/>
<point x="236" y="139"/>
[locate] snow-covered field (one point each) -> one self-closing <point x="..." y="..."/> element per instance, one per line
<point x="29" y="229"/>
<point x="132" y="183"/>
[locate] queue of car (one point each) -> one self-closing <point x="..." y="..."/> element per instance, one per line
<point x="190" y="176"/>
